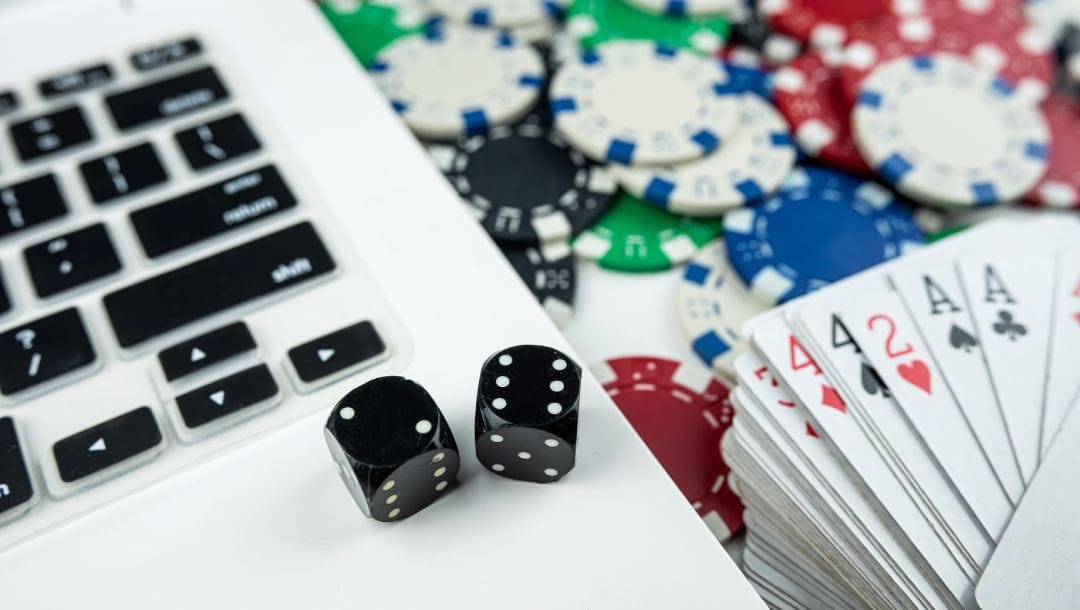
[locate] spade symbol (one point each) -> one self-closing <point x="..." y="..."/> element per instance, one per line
<point x="962" y="339"/>
<point x="872" y="382"/>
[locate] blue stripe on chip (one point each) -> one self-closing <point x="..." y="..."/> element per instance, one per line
<point x="476" y="122"/>
<point x="620" y="151"/>
<point x="710" y="346"/>
<point x="659" y="191"/>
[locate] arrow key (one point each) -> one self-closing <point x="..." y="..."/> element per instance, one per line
<point x="120" y="440"/>
<point x="206" y="350"/>
<point x="239" y="392"/>
<point x="340" y="352"/>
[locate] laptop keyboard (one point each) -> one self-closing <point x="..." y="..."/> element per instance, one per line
<point x="153" y="245"/>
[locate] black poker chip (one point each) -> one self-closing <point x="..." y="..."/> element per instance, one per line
<point x="752" y="35"/>
<point x="525" y="184"/>
<point x="550" y="272"/>
<point x="1069" y="54"/>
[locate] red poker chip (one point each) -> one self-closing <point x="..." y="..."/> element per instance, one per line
<point x="991" y="33"/>
<point x="1060" y="188"/>
<point x="825" y="23"/>
<point x="681" y="413"/>
<point x="807" y="92"/>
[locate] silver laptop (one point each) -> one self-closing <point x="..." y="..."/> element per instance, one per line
<point x="211" y="227"/>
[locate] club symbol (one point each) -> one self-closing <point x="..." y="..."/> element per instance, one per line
<point x="1009" y="327"/>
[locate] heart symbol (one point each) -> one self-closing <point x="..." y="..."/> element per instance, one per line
<point x="917" y="374"/>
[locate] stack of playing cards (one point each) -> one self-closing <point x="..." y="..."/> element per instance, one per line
<point x="888" y="427"/>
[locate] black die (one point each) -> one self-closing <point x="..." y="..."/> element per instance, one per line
<point x="527" y="413"/>
<point x="393" y="447"/>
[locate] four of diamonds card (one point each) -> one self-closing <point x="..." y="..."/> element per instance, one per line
<point x="903" y="438"/>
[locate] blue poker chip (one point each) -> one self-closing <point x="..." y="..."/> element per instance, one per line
<point x="750" y="79"/>
<point x="820" y="227"/>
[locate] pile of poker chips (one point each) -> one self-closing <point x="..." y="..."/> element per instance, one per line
<point x="763" y="150"/>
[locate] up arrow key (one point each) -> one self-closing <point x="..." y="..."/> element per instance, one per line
<point x="326" y="354"/>
<point x="99" y="445"/>
<point x="197" y="354"/>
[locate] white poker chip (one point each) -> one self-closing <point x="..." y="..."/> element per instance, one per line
<point x="752" y="163"/>
<point x="944" y="132"/>
<point x="1053" y="15"/>
<point x="452" y="81"/>
<point x="637" y="102"/>
<point x="682" y="8"/>
<point x="499" y="13"/>
<point x="713" y="303"/>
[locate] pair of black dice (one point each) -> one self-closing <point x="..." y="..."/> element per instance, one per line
<point x="396" y="453"/>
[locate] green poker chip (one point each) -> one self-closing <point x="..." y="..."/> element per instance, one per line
<point x="944" y="234"/>
<point x="368" y="28"/>
<point x="593" y="22"/>
<point x="635" y="236"/>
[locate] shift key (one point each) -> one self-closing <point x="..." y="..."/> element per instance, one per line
<point x="209" y="286"/>
<point x="211" y="211"/>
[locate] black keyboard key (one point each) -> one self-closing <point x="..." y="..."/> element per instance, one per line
<point x="123" y="173"/>
<point x="30" y="203"/>
<point x="71" y="260"/>
<point x="51" y="133"/>
<point x="211" y="211"/>
<point x="42" y="350"/>
<point x="206" y="350"/>
<point x="5" y="300"/>
<point x="76" y="80"/>
<point x="227" y="396"/>
<point x="9" y="102"/>
<point x="15" y="486"/>
<point x="259" y="268"/>
<point x="216" y="142"/>
<point x="165" y="55"/>
<point x="107" y="444"/>
<point x="344" y="349"/>
<point x="166" y="99"/>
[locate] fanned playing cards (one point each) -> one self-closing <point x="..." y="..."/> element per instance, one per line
<point x="906" y="438"/>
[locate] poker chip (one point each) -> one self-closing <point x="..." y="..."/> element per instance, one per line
<point x="749" y="79"/>
<point x="825" y="23"/>
<point x="525" y="184"/>
<point x="713" y="303"/>
<point x="752" y="38"/>
<point x="594" y="22"/>
<point x="499" y="13"/>
<point x="751" y="164"/>
<point x="998" y="40"/>
<point x="367" y="28"/>
<point x="821" y="227"/>
<point x="1060" y="187"/>
<point x="451" y="81"/>
<point x="808" y="94"/>
<point x="599" y="108"/>
<point x="681" y="413"/>
<point x="1070" y="53"/>
<point x="635" y="236"/>
<point x="945" y="234"/>
<point x="550" y="273"/>
<point x="1053" y="15"/>
<point x="681" y="8"/>
<point x="944" y="132"/>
